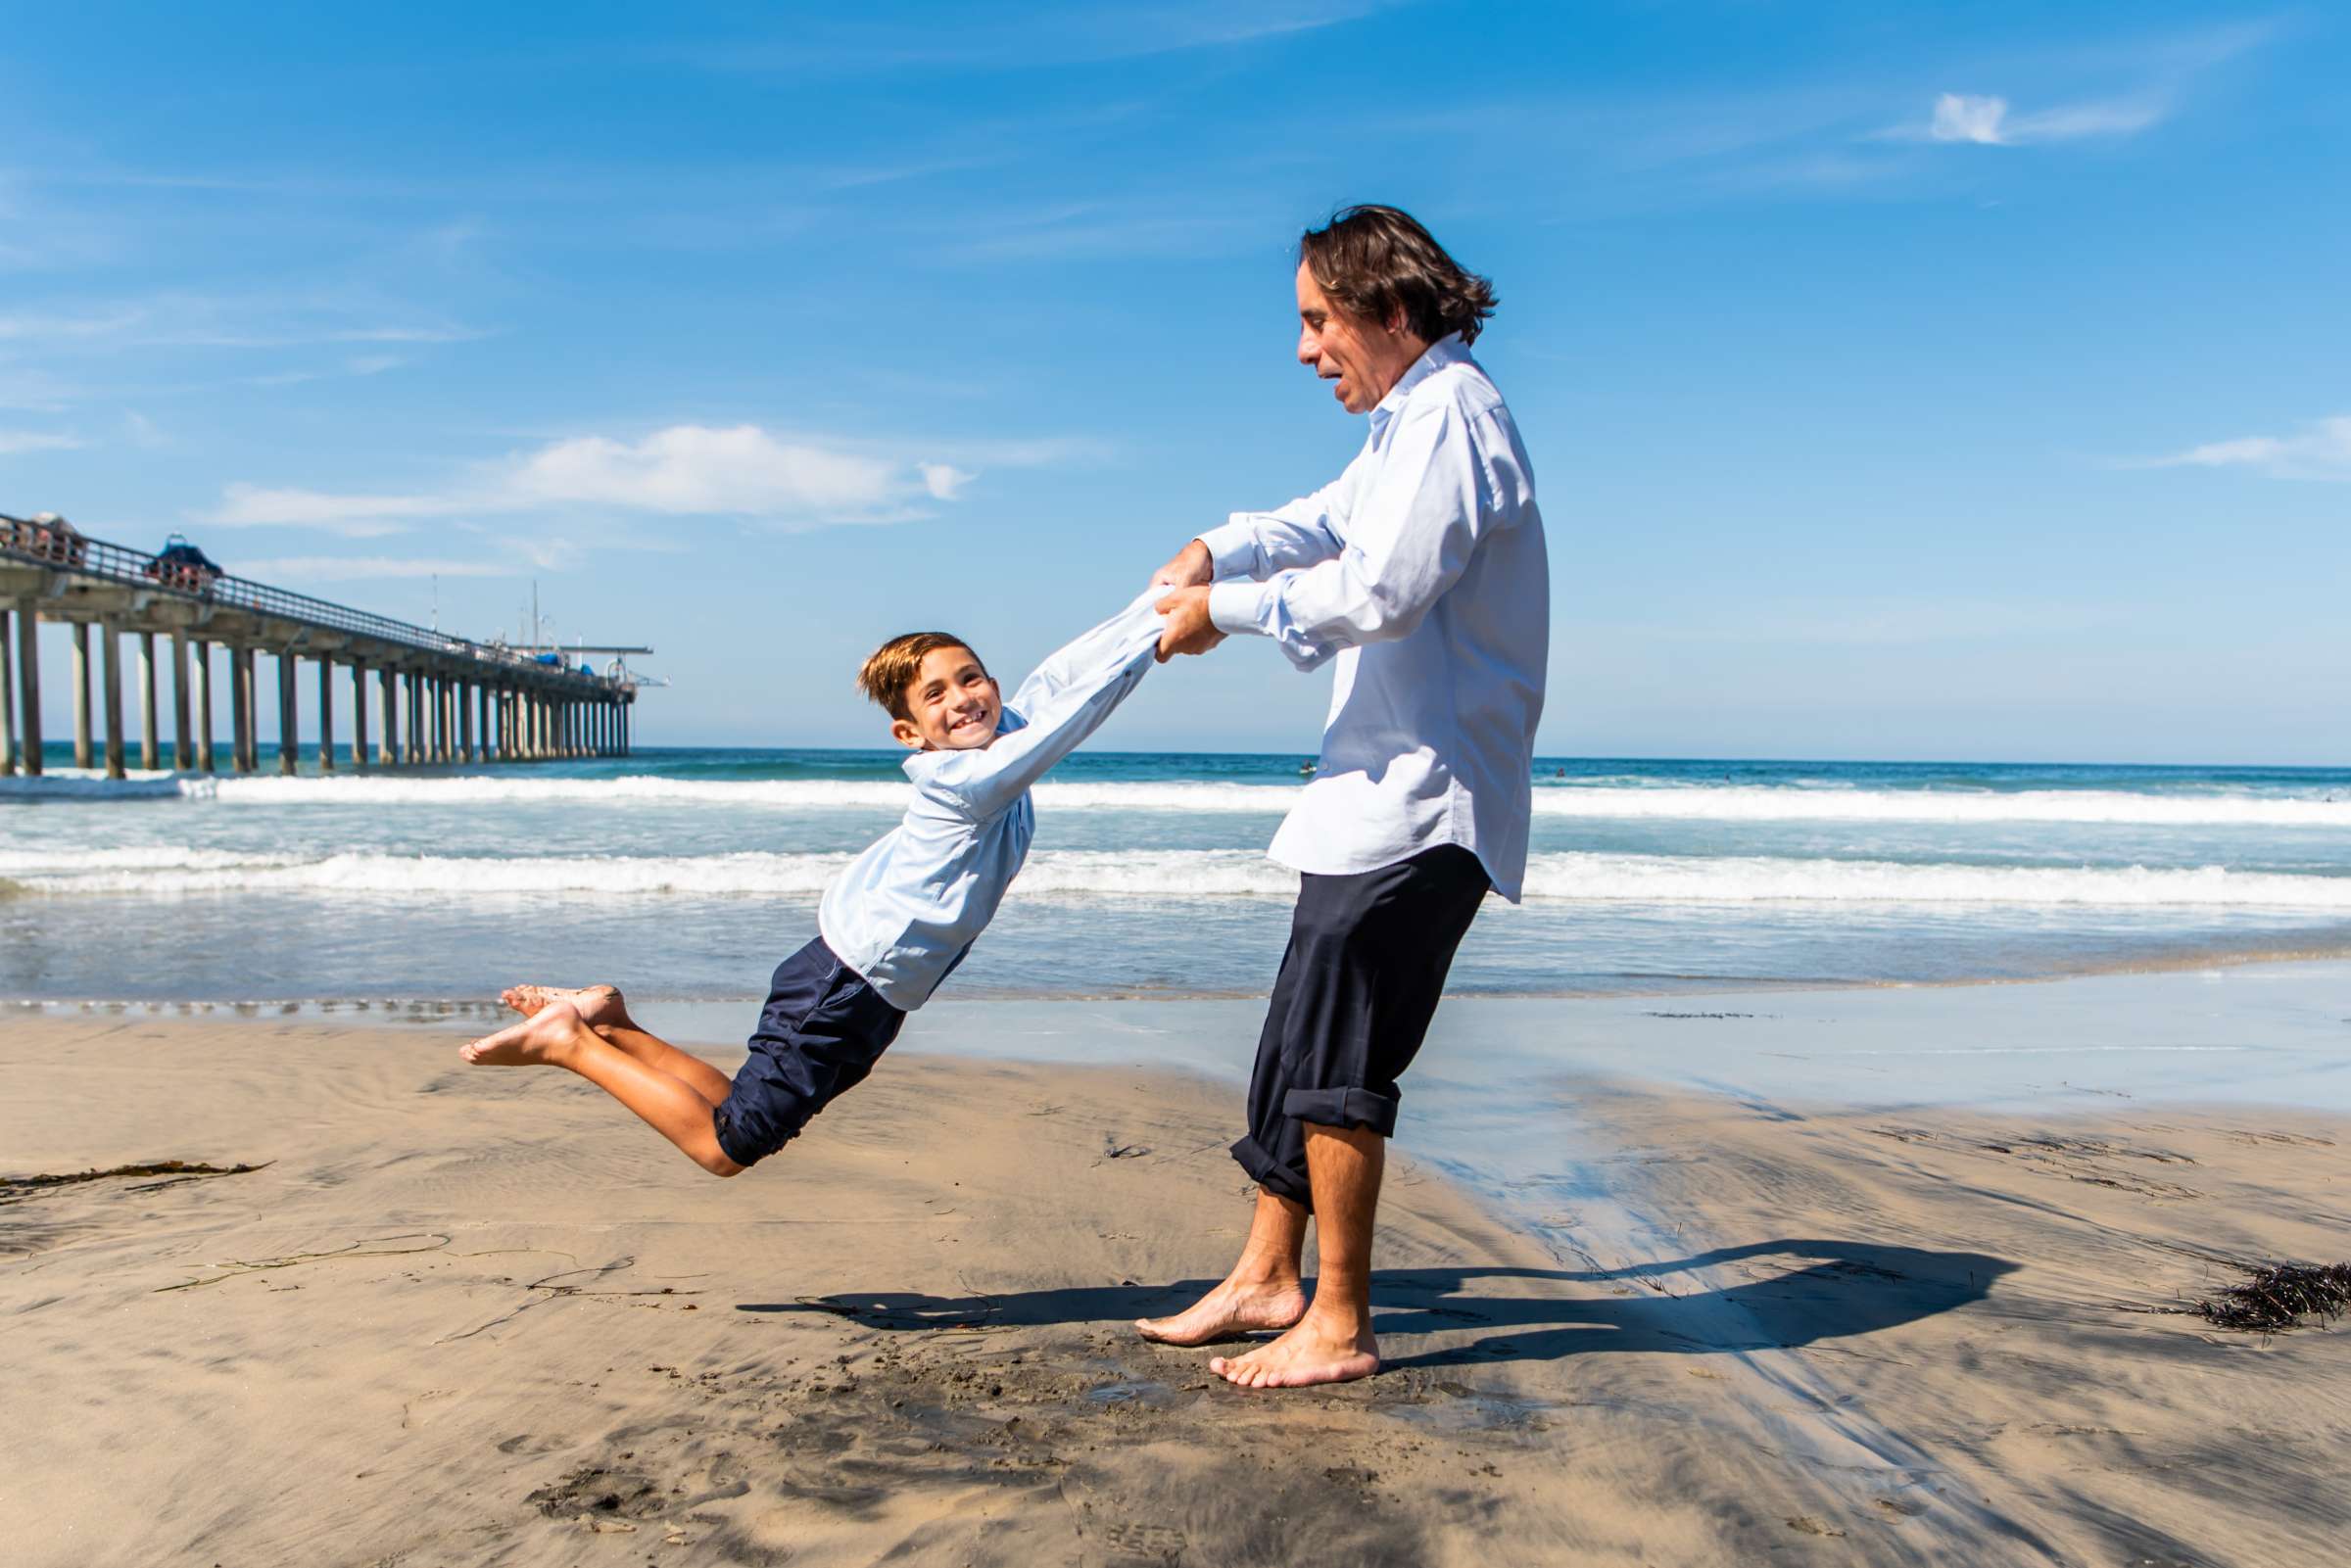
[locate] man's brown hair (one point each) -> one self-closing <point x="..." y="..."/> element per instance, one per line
<point x="1375" y="262"/>
<point x="888" y="672"/>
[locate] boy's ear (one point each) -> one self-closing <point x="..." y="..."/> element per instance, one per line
<point x="903" y="732"/>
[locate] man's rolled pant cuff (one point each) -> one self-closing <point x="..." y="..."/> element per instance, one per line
<point x="1271" y="1174"/>
<point x="1342" y="1107"/>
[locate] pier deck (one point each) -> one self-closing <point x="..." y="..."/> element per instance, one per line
<point x="442" y="699"/>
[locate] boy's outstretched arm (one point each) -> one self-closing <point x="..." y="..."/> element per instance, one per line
<point x="1063" y="700"/>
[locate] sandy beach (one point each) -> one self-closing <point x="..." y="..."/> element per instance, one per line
<point x="472" y="1316"/>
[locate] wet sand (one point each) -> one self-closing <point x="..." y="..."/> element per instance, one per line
<point x="463" y="1316"/>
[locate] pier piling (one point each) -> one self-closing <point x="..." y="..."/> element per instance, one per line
<point x="111" y="638"/>
<point x="200" y="666"/>
<point x="326" y="713"/>
<point x="29" y="685"/>
<point x="289" y="735"/>
<point x="359" y="717"/>
<point x="150" y="747"/>
<point x="387" y="751"/>
<point x="82" y="693"/>
<point x="183" y="740"/>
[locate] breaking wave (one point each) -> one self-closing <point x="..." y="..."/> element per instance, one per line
<point x="1727" y="803"/>
<point x="1601" y="879"/>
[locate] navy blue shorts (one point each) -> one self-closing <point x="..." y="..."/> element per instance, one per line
<point x="820" y="1034"/>
<point x="1367" y="959"/>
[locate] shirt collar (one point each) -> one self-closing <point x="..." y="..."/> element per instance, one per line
<point x="1447" y="350"/>
<point x="919" y="765"/>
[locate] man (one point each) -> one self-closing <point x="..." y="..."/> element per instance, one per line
<point x="1421" y="570"/>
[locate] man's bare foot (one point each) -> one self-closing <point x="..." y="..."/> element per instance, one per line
<point x="1232" y="1308"/>
<point x="1309" y="1354"/>
<point x="539" y="1041"/>
<point x="599" y="1005"/>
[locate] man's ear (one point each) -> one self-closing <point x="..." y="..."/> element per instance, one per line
<point x="903" y="732"/>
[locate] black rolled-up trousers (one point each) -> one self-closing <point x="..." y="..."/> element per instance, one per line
<point x="1367" y="959"/>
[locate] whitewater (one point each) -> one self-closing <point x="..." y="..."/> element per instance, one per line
<point x="1660" y="802"/>
<point x="693" y="870"/>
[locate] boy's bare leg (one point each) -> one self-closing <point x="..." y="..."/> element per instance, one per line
<point x="1263" y="1290"/>
<point x="557" y="1036"/>
<point x="603" y="1010"/>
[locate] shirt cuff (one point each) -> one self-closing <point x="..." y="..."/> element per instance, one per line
<point x="1239" y="607"/>
<point x="1231" y="547"/>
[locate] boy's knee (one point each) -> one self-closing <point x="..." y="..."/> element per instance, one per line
<point x="718" y="1164"/>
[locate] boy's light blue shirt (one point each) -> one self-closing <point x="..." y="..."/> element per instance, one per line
<point x="903" y="912"/>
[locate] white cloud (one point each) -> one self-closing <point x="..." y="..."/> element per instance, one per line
<point x="943" y="479"/>
<point x="691" y="470"/>
<point x="680" y="471"/>
<point x="358" y="517"/>
<point x="2321" y="450"/>
<point x="1961" y="118"/>
<point x="1990" y="122"/>
<point x="17" y="440"/>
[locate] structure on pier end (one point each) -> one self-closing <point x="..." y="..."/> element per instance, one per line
<point x="442" y="698"/>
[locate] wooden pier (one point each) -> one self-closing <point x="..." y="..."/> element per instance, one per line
<point x="442" y="701"/>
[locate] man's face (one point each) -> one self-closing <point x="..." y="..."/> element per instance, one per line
<point x="952" y="705"/>
<point x="1363" y="359"/>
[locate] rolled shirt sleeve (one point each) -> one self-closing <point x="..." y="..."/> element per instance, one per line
<point x="1305" y="533"/>
<point x="1408" y="542"/>
<point x="1063" y="700"/>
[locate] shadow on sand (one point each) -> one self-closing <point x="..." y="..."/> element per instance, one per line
<point x="1829" y="1290"/>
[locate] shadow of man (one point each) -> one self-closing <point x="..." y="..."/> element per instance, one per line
<point x="1835" y="1290"/>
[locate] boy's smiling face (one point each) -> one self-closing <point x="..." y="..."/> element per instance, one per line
<point x="952" y="704"/>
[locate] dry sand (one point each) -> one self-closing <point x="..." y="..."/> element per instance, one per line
<point x="480" y="1316"/>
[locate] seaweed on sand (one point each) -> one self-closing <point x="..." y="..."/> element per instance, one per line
<point x="2273" y="1300"/>
<point x="15" y="1189"/>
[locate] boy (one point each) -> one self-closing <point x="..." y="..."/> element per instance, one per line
<point x="891" y="926"/>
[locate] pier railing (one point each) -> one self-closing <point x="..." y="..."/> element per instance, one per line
<point x="42" y="545"/>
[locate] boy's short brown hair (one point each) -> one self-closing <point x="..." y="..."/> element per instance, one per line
<point x="888" y="672"/>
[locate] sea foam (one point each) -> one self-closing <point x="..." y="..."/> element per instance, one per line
<point x="1167" y="874"/>
<point x="1727" y="803"/>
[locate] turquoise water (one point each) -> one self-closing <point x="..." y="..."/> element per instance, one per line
<point x="688" y="873"/>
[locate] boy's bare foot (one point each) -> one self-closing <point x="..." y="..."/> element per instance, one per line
<point x="1311" y="1353"/>
<point x="1232" y="1308"/>
<point x="539" y="1041"/>
<point x="599" y="1005"/>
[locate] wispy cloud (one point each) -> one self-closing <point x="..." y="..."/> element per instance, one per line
<point x="742" y="471"/>
<point x="260" y="320"/>
<point x="357" y="568"/>
<point x="982" y="36"/>
<point x="2320" y="449"/>
<point x="1985" y="121"/>
<point x="20" y="441"/>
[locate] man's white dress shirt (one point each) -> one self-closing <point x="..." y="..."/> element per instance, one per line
<point x="1422" y="568"/>
<point x="902" y="912"/>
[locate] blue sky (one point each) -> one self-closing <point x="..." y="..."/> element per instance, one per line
<point x="1911" y="382"/>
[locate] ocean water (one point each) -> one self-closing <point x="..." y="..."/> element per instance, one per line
<point x="686" y="873"/>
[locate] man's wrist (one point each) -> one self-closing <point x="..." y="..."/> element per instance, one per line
<point x="1233" y="607"/>
<point x="1231" y="547"/>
